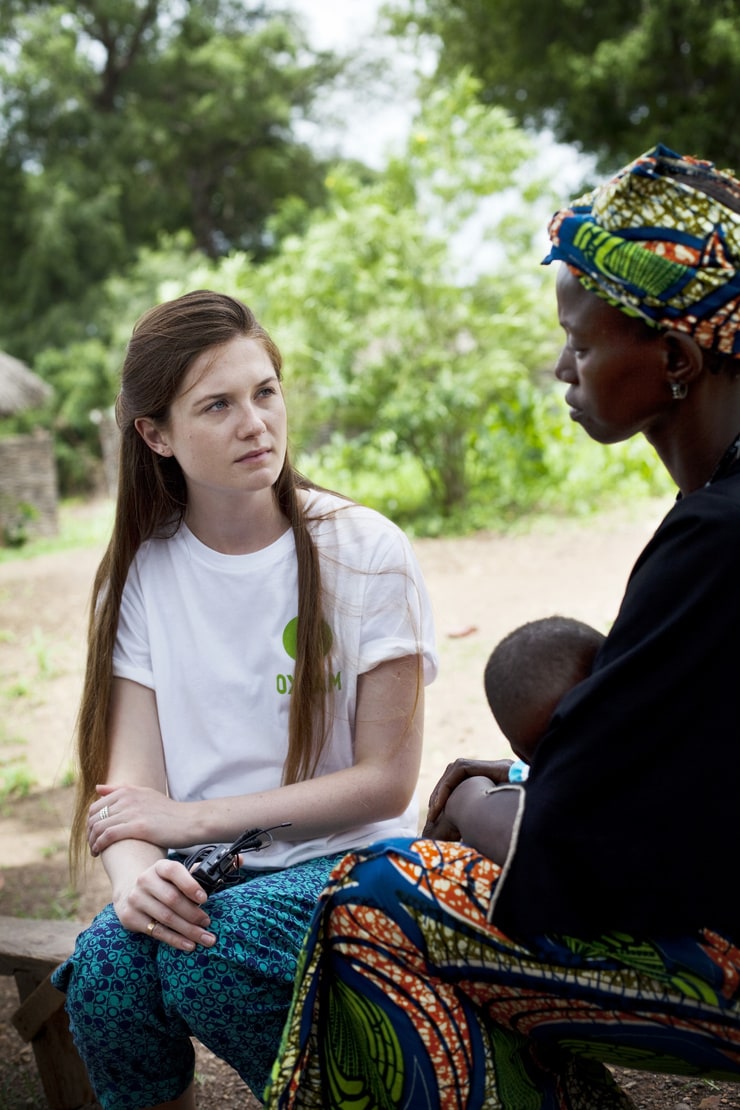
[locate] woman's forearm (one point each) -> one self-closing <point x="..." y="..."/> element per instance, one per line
<point x="125" y="860"/>
<point x="485" y="816"/>
<point x="363" y="793"/>
<point x="315" y="808"/>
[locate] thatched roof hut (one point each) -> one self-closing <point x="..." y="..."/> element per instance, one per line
<point x="20" y="389"/>
<point x="28" y="484"/>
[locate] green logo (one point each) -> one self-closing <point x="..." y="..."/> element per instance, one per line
<point x="290" y="637"/>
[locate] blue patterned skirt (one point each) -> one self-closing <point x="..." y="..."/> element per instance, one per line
<point x="408" y="997"/>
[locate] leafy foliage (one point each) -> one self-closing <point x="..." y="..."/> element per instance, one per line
<point x="612" y="78"/>
<point x="414" y="383"/>
<point x="417" y="377"/>
<point x="388" y="341"/>
<point x="126" y="120"/>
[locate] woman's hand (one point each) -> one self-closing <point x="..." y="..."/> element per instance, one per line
<point x="497" y="771"/>
<point x="136" y="813"/>
<point x="165" y="903"/>
<point x="441" y="829"/>
<point x="479" y="813"/>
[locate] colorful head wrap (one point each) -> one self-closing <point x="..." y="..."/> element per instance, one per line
<point x="661" y="240"/>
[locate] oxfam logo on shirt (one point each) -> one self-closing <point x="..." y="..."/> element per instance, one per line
<point x="290" y="643"/>
<point x="290" y="637"/>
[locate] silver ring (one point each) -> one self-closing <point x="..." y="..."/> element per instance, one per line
<point x="151" y="927"/>
<point x="103" y="814"/>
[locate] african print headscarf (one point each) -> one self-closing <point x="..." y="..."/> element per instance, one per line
<point x="661" y="240"/>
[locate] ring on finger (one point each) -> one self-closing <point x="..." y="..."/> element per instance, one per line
<point x="105" y="812"/>
<point x="151" y="927"/>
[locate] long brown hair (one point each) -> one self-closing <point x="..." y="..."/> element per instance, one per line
<point x="151" y="501"/>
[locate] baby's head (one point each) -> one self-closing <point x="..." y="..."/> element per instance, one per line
<point x="530" y="670"/>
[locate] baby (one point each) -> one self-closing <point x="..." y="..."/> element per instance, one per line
<point x="527" y="674"/>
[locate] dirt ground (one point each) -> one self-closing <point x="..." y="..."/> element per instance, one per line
<point x="482" y="586"/>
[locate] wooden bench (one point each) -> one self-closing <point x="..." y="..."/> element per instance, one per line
<point x="29" y="951"/>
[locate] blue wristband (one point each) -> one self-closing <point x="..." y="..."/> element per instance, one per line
<point x="519" y="771"/>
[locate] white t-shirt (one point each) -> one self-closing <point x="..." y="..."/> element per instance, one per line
<point x="213" y="635"/>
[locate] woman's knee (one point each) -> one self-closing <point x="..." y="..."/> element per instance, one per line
<point x="111" y="973"/>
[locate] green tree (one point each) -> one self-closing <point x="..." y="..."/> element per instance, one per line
<point x="85" y="374"/>
<point x="416" y="381"/>
<point x="399" y="354"/>
<point x="124" y="120"/>
<point x="612" y="78"/>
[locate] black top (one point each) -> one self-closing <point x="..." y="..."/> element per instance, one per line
<point x="632" y="811"/>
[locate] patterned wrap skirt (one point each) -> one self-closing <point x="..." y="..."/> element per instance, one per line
<point x="408" y="997"/>
<point x="134" y="1003"/>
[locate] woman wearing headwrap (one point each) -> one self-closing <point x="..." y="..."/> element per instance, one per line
<point x="591" y="914"/>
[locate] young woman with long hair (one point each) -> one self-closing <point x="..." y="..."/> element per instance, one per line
<point x="258" y="649"/>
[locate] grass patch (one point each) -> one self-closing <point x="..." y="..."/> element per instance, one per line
<point x="17" y="690"/>
<point x="69" y="777"/>
<point x="8" y="739"/>
<point x="16" y="780"/>
<point x="43" y="652"/>
<point x="81" y="524"/>
<point x="52" y="899"/>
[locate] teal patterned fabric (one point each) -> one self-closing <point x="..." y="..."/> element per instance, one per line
<point x="133" y="1003"/>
